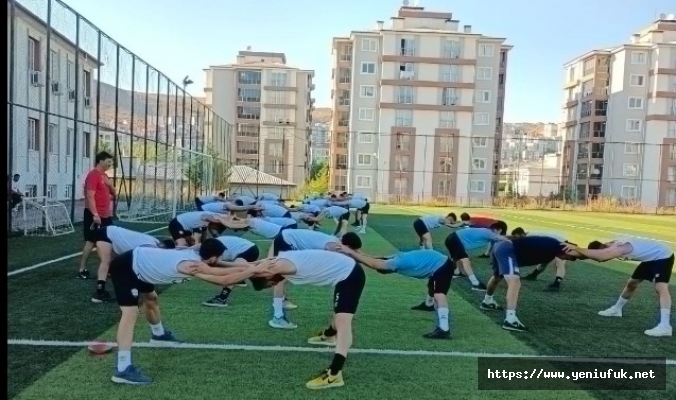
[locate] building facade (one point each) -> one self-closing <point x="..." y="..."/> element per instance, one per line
<point x="619" y="119"/>
<point x="319" y="148"/>
<point x="417" y="108"/>
<point x="271" y="104"/>
<point x="46" y="148"/>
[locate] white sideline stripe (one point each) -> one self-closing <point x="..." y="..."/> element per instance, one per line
<point x="56" y="260"/>
<point x="298" y="349"/>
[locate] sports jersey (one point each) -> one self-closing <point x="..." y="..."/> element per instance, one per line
<point x="263" y="228"/>
<point x="475" y="238"/>
<point x="194" y="219"/>
<point x="273" y="210"/>
<point x="268" y="196"/>
<point x="319" y="202"/>
<point x="246" y="200"/>
<point x="318" y="267"/>
<point x="432" y="221"/>
<point x="160" y="266"/>
<point x="124" y="240"/>
<point x="548" y="234"/>
<point x="352" y="203"/>
<point x="309" y="208"/>
<point x="535" y="250"/>
<point x="481" y="222"/>
<point x="216" y="207"/>
<point x="417" y="263"/>
<point x="335" y="211"/>
<point x="645" y="249"/>
<point x="281" y="221"/>
<point x="234" y="246"/>
<point x="305" y="239"/>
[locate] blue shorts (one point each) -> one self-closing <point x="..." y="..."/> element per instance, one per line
<point x="504" y="259"/>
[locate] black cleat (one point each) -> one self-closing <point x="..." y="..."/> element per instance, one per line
<point x="484" y="256"/>
<point x="554" y="287"/>
<point x="422" y="307"/>
<point x="216" y="301"/>
<point x="490" y="306"/>
<point x="480" y="287"/>
<point x="530" y="277"/>
<point x="438" y="333"/>
<point x="515" y="326"/>
<point x="101" y="297"/>
<point x="84" y="274"/>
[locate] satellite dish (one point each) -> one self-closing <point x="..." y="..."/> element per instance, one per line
<point x="663" y="16"/>
<point x="405" y="2"/>
<point x="248" y="48"/>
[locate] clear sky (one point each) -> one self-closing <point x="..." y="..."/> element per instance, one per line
<point x="182" y="37"/>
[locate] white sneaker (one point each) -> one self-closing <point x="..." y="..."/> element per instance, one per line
<point x="362" y="231"/>
<point x="289" y="305"/>
<point x="660" y="331"/>
<point x="281" y="323"/>
<point x="611" y="312"/>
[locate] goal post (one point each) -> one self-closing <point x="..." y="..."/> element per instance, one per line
<point x="41" y="216"/>
<point x="165" y="185"/>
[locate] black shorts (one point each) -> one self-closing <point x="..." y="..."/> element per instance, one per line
<point x="344" y="217"/>
<point x="199" y="203"/>
<point x="420" y="228"/>
<point x="249" y="255"/>
<point x="89" y="229"/>
<point x="365" y="209"/>
<point x="177" y="231"/>
<point x="287" y="215"/>
<point x="279" y="244"/>
<point x="292" y="226"/>
<point x="455" y="248"/>
<point x="126" y="283"/>
<point x="101" y="235"/>
<point x="347" y="292"/>
<point x="440" y="281"/>
<point x="658" y="271"/>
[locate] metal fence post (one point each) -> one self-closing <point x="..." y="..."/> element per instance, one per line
<point x="48" y="94"/>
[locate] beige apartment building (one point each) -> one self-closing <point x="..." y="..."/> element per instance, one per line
<point x="619" y="119"/>
<point x="417" y="109"/>
<point x="271" y="104"/>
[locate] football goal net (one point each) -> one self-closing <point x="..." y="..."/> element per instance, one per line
<point x="165" y="185"/>
<point x="41" y="216"/>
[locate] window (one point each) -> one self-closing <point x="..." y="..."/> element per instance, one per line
<point x="482" y="118"/>
<point x="401" y="162"/>
<point x="637" y="80"/>
<point x="636" y="103"/>
<point x="68" y="192"/>
<point x="634" y="125"/>
<point x="367" y="91"/>
<point x="449" y="97"/>
<point x="33" y="134"/>
<point x="484" y="73"/>
<point x="402" y="142"/>
<point x="479" y="164"/>
<point x="631" y="148"/>
<point x="70" y="75"/>
<point x="483" y="96"/>
<point x="501" y="79"/>
<point x="366" y="114"/>
<point x="33" y="54"/>
<point x="405" y="95"/>
<point x="630" y="170"/>
<point x="248" y="112"/>
<point x="447" y="119"/>
<point x="247" y="147"/>
<point x="671" y="174"/>
<point x="275" y="132"/>
<point x="53" y="139"/>
<point x="274" y="167"/>
<point x="253" y="95"/>
<point x="368" y="68"/>
<point x="363" y="182"/>
<point x="446" y="165"/>
<point x="445" y="144"/>
<point x="450" y="73"/>
<point x="278" y="78"/>
<point x="69" y="143"/>
<point x="31" y="190"/>
<point x="444" y="188"/>
<point x="477" y="186"/>
<point x="87" y="80"/>
<point x="639" y="57"/>
<point x="479" y="141"/>
<point x="54" y="65"/>
<point x="363" y="159"/>
<point x="369" y="44"/>
<point x="86" y="144"/>
<point x="628" y="192"/>
<point x="278" y="115"/>
<point x="275" y="149"/>
<point x="52" y="191"/>
<point x="247" y="130"/>
<point x="451" y="49"/>
<point x="403" y="117"/>
<point x="486" y="50"/>
<point x="407" y="47"/>
<point x="249" y="77"/>
<point x="400" y="184"/>
<point x="365" y="137"/>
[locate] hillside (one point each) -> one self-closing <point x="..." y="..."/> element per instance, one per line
<point x="321" y="115"/>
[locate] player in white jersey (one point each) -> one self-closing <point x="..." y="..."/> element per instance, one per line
<point x="244" y="200"/>
<point x="112" y="240"/>
<point x="284" y="222"/>
<point x="273" y="210"/>
<point x="426" y="223"/>
<point x="361" y="212"/>
<point x="269" y="197"/>
<point x="237" y="250"/>
<point x="656" y="265"/>
<point x="340" y="214"/>
<point x="200" y="201"/>
<point x="190" y="226"/>
<point x="257" y="226"/>
<point x="321" y="268"/>
<point x="559" y="263"/>
<point x="135" y="274"/>
<point x="301" y="239"/>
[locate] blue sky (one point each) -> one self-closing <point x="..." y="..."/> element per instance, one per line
<point x="181" y="37"/>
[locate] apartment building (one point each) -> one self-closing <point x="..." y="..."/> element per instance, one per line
<point x="319" y="147"/>
<point x="619" y="119"/>
<point x="271" y="104"/>
<point x="417" y="108"/>
<point x="43" y="75"/>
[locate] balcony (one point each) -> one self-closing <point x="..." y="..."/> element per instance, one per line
<point x="344" y="101"/>
<point x="345" y="57"/>
<point x="405" y="99"/>
<point x="343" y="122"/>
<point x="407" y="75"/>
<point x="599" y="134"/>
<point x="597" y="154"/>
<point x="581" y="175"/>
<point x="344" y="80"/>
<point x="582" y="155"/>
<point x="407" y="51"/>
<point x="600" y="113"/>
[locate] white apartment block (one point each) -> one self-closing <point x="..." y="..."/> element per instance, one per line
<point x="271" y="104"/>
<point x="49" y="145"/>
<point x="417" y="109"/>
<point x="319" y="148"/>
<point x="619" y="121"/>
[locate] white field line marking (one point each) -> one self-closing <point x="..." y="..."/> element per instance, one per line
<point x="56" y="260"/>
<point x="546" y="222"/>
<point x="298" y="349"/>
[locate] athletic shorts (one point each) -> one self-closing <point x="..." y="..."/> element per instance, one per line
<point x="279" y="244"/>
<point x="89" y="229"/>
<point x="126" y="283"/>
<point x="249" y="255"/>
<point x="347" y="293"/>
<point x="199" y="203"/>
<point x="440" y="281"/>
<point x="101" y="235"/>
<point x="292" y="226"/>
<point x="504" y="259"/>
<point x="455" y="247"/>
<point x="420" y="227"/>
<point x="658" y="271"/>
<point x="344" y="217"/>
<point x="177" y="231"/>
<point x="287" y="215"/>
<point x="365" y="209"/>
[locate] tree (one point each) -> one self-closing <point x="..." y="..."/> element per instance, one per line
<point x="317" y="184"/>
<point x="218" y="168"/>
<point x="316" y="168"/>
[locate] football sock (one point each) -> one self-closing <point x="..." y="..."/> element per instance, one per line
<point x="488" y="299"/>
<point x="278" y="307"/>
<point x="442" y="313"/>
<point x="157" y="329"/>
<point x="558" y="280"/>
<point x="225" y="293"/>
<point x="100" y="286"/>
<point x="665" y="314"/>
<point x="510" y="316"/>
<point x="620" y="303"/>
<point x="472" y="278"/>
<point x="429" y="301"/>
<point x="123" y="359"/>
<point x="337" y="364"/>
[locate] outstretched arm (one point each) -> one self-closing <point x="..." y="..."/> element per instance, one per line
<point x="371" y="262"/>
<point x="601" y="255"/>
